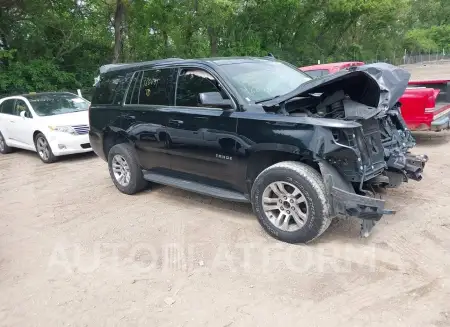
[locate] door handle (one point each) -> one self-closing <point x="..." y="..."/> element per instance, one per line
<point x="12" y="121"/>
<point x="176" y="122"/>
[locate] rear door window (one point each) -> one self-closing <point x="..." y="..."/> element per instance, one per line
<point x="157" y="87"/>
<point x="133" y="90"/>
<point x="7" y="107"/>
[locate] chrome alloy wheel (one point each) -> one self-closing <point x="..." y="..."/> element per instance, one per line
<point x="43" y="148"/>
<point x="121" y="170"/>
<point x="285" y="206"/>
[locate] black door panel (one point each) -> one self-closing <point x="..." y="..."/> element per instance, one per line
<point x="149" y="136"/>
<point x="205" y="144"/>
<point x="203" y="139"/>
<point x="150" y="101"/>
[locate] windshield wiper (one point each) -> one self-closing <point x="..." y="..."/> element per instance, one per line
<point x="264" y="100"/>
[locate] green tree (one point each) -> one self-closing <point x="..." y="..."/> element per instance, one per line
<point x="54" y="45"/>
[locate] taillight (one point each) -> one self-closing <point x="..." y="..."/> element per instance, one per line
<point x="431" y="102"/>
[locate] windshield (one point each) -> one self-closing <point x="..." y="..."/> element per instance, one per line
<point x="57" y="104"/>
<point x="264" y="80"/>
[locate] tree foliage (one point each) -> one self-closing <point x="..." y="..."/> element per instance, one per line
<point x="59" y="44"/>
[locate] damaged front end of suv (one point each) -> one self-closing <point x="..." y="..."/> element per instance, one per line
<point x="360" y="142"/>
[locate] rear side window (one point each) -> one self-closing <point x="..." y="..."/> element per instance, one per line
<point x="157" y="87"/>
<point x="105" y="92"/>
<point x="121" y="88"/>
<point x="7" y="107"/>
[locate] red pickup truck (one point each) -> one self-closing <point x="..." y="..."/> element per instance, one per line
<point x="425" y="105"/>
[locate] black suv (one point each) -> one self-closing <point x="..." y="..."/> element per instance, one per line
<point x="258" y="130"/>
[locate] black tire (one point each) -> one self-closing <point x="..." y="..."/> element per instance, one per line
<point x="309" y="182"/>
<point x="47" y="156"/>
<point x="136" y="180"/>
<point x="168" y="141"/>
<point x="4" y="148"/>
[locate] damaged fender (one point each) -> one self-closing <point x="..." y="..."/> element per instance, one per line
<point x="344" y="202"/>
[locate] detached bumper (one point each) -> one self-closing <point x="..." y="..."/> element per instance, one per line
<point x="354" y="205"/>
<point x="345" y="202"/>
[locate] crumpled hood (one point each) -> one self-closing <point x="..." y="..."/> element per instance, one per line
<point x="378" y="85"/>
<point x="392" y="80"/>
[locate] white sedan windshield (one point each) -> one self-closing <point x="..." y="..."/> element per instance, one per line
<point x="57" y="103"/>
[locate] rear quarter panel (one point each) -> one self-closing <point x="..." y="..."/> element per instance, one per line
<point x="100" y="117"/>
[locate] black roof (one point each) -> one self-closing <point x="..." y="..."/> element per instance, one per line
<point x="219" y="61"/>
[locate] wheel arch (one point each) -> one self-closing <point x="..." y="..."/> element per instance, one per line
<point x="263" y="158"/>
<point x="35" y="133"/>
<point x="111" y="138"/>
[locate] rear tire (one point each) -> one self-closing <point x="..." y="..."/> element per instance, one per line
<point x="290" y="202"/>
<point x="4" y="148"/>
<point x="124" y="169"/>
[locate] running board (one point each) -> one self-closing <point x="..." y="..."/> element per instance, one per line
<point x="196" y="187"/>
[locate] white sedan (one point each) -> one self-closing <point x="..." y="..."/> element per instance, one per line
<point x="52" y="124"/>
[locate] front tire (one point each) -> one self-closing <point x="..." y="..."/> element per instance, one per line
<point x="4" y="148"/>
<point x="290" y="202"/>
<point x="43" y="149"/>
<point x="124" y="169"/>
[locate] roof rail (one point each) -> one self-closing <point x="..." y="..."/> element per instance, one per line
<point x="109" y="67"/>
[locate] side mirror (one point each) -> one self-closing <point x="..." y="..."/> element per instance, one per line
<point x="214" y="99"/>
<point x="23" y="114"/>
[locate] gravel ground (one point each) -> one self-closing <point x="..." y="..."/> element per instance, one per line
<point x="75" y="251"/>
<point x="430" y="70"/>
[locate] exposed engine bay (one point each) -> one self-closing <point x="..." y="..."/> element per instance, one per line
<point x="386" y="128"/>
<point x="337" y="105"/>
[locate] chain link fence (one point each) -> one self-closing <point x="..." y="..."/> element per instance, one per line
<point x="424" y="58"/>
<point x="405" y="58"/>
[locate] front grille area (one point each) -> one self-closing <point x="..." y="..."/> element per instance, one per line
<point x="81" y="129"/>
<point x="86" y="145"/>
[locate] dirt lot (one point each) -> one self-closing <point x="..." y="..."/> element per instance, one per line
<point x="74" y="251"/>
<point x="430" y="70"/>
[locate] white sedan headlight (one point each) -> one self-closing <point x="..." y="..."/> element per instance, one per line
<point x="63" y="129"/>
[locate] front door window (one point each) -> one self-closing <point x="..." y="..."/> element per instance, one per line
<point x="192" y="82"/>
<point x="22" y="106"/>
